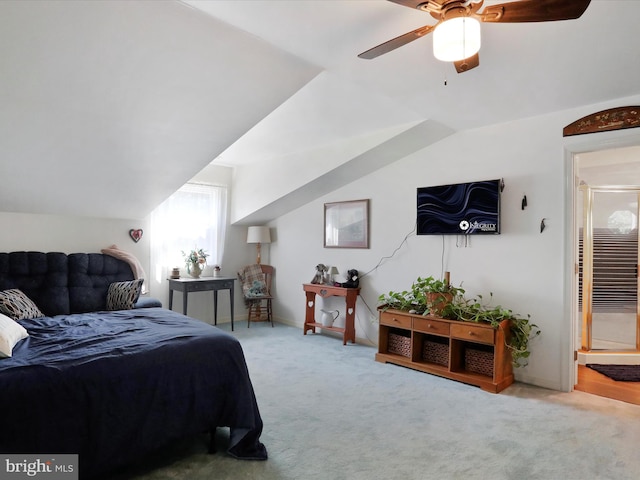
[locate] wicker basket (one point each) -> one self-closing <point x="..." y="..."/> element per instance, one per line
<point x="435" y="352"/>
<point x="479" y="361"/>
<point x="400" y="345"/>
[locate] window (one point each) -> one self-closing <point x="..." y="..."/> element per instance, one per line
<point x="194" y="216"/>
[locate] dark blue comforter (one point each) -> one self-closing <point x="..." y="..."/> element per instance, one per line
<point x="111" y="386"/>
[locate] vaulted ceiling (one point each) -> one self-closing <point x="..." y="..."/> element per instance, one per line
<point x="108" y="107"/>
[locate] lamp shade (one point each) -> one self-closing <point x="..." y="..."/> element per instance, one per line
<point x="258" y="235"/>
<point x="456" y="39"/>
<point x="333" y="271"/>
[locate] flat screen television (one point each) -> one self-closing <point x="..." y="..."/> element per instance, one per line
<point x="471" y="208"/>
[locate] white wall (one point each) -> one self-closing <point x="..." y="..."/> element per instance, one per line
<point x="524" y="269"/>
<point x="71" y="234"/>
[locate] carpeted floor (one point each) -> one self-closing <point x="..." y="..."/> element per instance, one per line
<point x="331" y="412"/>
<point x="619" y="373"/>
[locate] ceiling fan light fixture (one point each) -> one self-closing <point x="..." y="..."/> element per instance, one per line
<point x="456" y="39"/>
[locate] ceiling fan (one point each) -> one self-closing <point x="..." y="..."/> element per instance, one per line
<point x="457" y="32"/>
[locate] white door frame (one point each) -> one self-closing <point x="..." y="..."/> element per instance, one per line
<point x="575" y="145"/>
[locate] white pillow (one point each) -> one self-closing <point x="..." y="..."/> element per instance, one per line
<point x="11" y="332"/>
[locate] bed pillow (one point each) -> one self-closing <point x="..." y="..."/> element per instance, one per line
<point x="134" y="263"/>
<point x="123" y="295"/>
<point x="16" y="305"/>
<point x="11" y="332"/>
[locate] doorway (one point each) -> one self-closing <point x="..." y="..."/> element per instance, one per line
<point x="607" y="315"/>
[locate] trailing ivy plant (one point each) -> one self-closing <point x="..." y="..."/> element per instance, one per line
<point x="420" y="300"/>
<point x="425" y="294"/>
<point x="477" y="310"/>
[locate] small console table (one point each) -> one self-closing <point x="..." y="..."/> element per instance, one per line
<point x="350" y="294"/>
<point x="473" y="353"/>
<point x="186" y="285"/>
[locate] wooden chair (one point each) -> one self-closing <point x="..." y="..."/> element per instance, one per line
<point x="259" y="307"/>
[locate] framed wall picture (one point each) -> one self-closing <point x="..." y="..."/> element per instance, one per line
<point x="346" y="224"/>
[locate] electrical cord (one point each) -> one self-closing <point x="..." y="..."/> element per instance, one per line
<point x="362" y="327"/>
<point x="371" y="312"/>
<point x="393" y="253"/>
<point x="360" y="323"/>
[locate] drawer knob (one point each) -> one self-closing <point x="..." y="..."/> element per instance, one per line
<point x="471" y="333"/>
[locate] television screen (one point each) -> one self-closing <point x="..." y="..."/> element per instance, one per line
<point x="459" y="209"/>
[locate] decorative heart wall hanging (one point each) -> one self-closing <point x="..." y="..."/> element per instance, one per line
<point x="135" y="234"/>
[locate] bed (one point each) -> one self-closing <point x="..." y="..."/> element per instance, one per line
<point x="112" y="386"/>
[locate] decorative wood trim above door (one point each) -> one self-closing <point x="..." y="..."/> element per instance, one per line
<point x="604" y="121"/>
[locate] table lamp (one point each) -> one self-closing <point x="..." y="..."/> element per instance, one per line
<point x="333" y="271"/>
<point x="258" y="235"/>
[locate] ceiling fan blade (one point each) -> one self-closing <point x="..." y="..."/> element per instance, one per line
<point x="434" y="7"/>
<point x="396" y="42"/>
<point x="411" y="3"/>
<point x="534" y="11"/>
<point x="467" y="64"/>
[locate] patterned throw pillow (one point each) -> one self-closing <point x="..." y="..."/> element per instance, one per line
<point x="124" y="295"/>
<point x="16" y="305"/>
<point x="11" y="332"/>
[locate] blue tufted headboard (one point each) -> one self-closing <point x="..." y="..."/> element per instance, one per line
<point x="90" y="275"/>
<point x="43" y="277"/>
<point x="61" y="284"/>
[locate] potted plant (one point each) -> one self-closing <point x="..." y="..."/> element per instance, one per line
<point x="438" y="297"/>
<point x="195" y="260"/>
<point x="427" y="296"/>
<point x="521" y="330"/>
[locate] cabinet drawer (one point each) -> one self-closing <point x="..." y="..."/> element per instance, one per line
<point x="388" y="318"/>
<point x="199" y="287"/>
<point x="427" y="325"/>
<point x="473" y="333"/>
<point x="223" y="285"/>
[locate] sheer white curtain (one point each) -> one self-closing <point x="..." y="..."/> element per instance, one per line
<point x="192" y="218"/>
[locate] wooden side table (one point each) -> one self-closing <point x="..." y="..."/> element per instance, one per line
<point x="187" y="285"/>
<point x="350" y="295"/>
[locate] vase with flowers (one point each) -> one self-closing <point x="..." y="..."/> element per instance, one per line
<point x="195" y="261"/>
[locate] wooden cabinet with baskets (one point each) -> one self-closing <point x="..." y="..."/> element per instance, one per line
<point x="472" y="353"/>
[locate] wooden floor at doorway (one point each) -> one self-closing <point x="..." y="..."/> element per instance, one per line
<point x="590" y="381"/>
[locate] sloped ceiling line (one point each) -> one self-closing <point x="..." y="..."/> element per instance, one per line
<point x="408" y="142"/>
